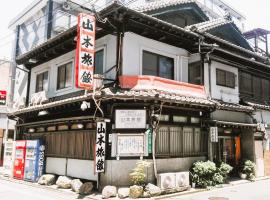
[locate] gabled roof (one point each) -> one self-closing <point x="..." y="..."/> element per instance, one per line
<point x="164" y="6"/>
<point x="223" y="28"/>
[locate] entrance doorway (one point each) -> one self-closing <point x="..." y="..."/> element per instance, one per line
<point x="227" y="150"/>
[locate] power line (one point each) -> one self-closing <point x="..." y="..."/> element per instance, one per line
<point x="79" y="5"/>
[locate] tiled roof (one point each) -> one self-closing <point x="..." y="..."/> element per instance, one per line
<point x="220" y="105"/>
<point x="161" y="4"/>
<point x="259" y="106"/>
<point x="110" y="93"/>
<point x="208" y="25"/>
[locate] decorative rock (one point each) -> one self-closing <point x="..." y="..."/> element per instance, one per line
<point x="109" y="191"/>
<point x="153" y="190"/>
<point x="64" y="182"/>
<point x="146" y="194"/>
<point x="135" y="191"/>
<point x="76" y="185"/>
<point x="86" y="188"/>
<point x="123" y="193"/>
<point x="47" y="179"/>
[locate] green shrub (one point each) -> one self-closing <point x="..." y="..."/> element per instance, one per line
<point x="138" y="174"/>
<point x="224" y="169"/>
<point x="248" y="168"/>
<point x="205" y="174"/>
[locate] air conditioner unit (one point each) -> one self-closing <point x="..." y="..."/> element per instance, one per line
<point x="61" y="21"/>
<point x="166" y="181"/>
<point x="182" y="179"/>
<point x="39" y="98"/>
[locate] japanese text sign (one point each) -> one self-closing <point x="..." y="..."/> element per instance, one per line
<point x="213" y="134"/>
<point x="85" y="51"/>
<point x="100" y="147"/>
<point x="130" y="119"/>
<point x="3" y="96"/>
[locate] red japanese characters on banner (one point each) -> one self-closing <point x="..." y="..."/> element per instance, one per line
<point x="3" y="97"/>
<point x="85" y="51"/>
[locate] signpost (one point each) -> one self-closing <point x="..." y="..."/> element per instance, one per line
<point x="100" y="147"/>
<point x="85" y="51"/>
<point x="214" y="134"/>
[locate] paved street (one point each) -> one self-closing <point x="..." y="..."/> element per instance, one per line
<point x="259" y="190"/>
<point x="16" y="191"/>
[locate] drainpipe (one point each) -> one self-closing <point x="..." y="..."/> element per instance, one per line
<point x="49" y="19"/>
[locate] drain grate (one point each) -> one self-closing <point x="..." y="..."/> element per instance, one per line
<point x="218" y="198"/>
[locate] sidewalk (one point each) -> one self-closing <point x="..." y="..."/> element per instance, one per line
<point x="98" y="195"/>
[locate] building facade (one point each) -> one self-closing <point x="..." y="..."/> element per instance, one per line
<point x="167" y="82"/>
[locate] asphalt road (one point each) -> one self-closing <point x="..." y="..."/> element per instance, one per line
<point x="16" y="191"/>
<point x="259" y="190"/>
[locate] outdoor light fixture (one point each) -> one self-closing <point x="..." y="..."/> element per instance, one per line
<point x="33" y="61"/>
<point x="31" y="130"/>
<point x="43" y="112"/>
<point x="80" y="126"/>
<point x="85" y="105"/>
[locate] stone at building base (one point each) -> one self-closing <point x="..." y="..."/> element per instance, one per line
<point x="47" y="179"/>
<point x="146" y="194"/>
<point x="86" y="188"/>
<point x="76" y="185"/>
<point x="153" y="189"/>
<point x="109" y="191"/>
<point x="123" y="193"/>
<point x="64" y="182"/>
<point x="135" y="191"/>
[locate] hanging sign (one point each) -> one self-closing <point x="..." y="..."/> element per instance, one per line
<point x="3" y="97"/>
<point x="100" y="147"/>
<point x="85" y="51"/>
<point x="214" y="134"/>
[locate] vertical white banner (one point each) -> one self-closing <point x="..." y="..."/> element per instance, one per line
<point x="100" y="147"/>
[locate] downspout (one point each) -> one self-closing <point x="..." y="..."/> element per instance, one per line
<point x="12" y="72"/>
<point x="28" y="87"/>
<point x="49" y="19"/>
<point x="119" y="55"/>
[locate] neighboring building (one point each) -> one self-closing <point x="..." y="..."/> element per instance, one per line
<point x="172" y="80"/>
<point x="4" y="92"/>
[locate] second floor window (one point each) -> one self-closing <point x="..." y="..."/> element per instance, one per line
<point x="99" y="60"/>
<point x="64" y="76"/>
<point x="195" y="73"/>
<point x="157" y="65"/>
<point x="42" y="82"/>
<point x="225" y="78"/>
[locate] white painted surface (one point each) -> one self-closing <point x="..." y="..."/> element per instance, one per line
<point x="108" y="43"/>
<point x="81" y="169"/>
<point x="56" y="165"/>
<point x="134" y="45"/>
<point x="226" y="94"/>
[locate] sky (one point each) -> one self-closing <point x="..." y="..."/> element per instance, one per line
<point x="257" y="14"/>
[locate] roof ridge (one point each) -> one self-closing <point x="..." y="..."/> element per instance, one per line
<point x="161" y="4"/>
<point x="210" y="24"/>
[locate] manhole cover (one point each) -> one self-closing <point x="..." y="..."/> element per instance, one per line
<point x="218" y="198"/>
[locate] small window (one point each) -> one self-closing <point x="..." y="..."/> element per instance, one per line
<point x="99" y="61"/>
<point x="181" y="119"/>
<point x="64" y="76"/>
<point x="158" y="65"/>
<point x="165" y="118"/>
<point x="225" y="78"/>
<point x="195" y="73"/>
<point x="195" y="120"/>
<point x="42" y="82"/>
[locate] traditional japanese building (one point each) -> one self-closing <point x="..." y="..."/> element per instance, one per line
<point x="166" y="91"/>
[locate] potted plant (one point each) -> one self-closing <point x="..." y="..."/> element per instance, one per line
<point x="248" y="170"/>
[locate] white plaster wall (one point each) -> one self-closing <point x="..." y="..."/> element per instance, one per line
<point x="133" y="46"/>
<point x="226" y="94"/>
<point x="262" y="116"/>
<point x="108" y="43"/>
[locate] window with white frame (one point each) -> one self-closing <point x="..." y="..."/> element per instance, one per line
<point x="42" y="81"/>
<point x="99" y="62"/>
<point x="64" y="76"/>
<point x="157" y="65"/>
